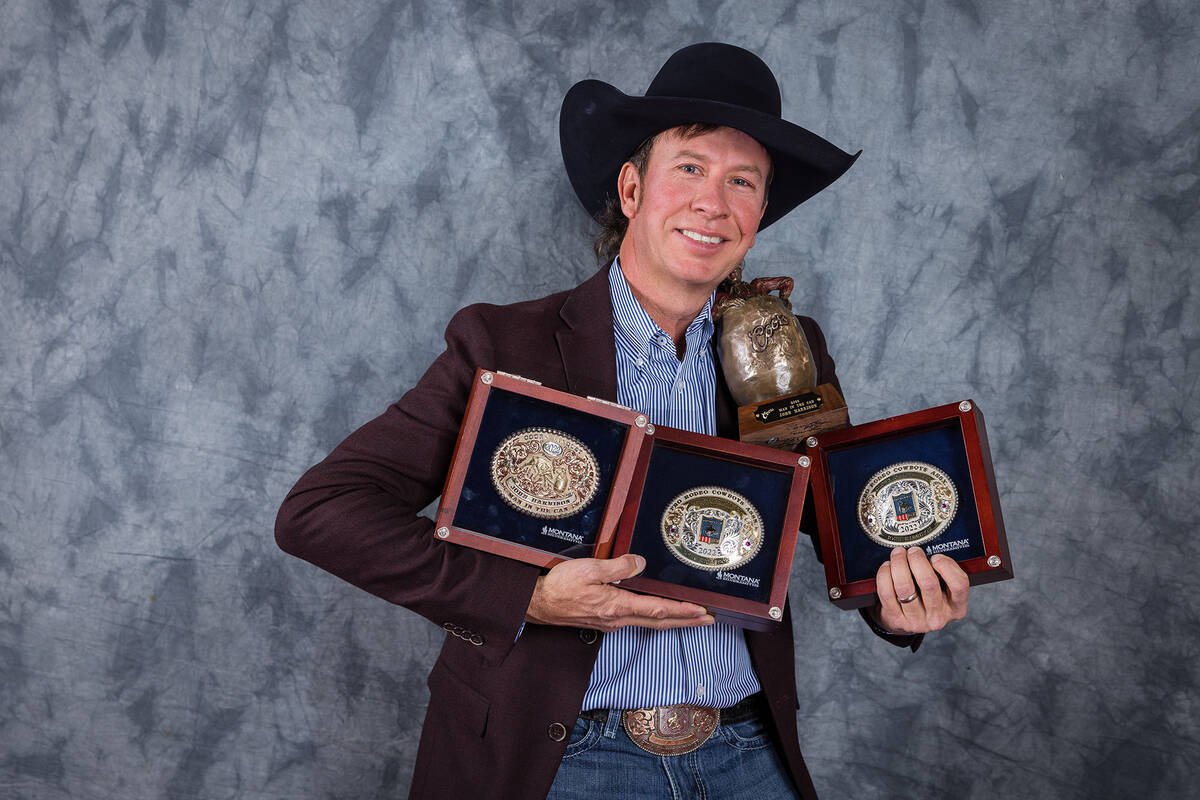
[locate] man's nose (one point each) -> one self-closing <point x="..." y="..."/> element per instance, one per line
<point x="710" y="198"/>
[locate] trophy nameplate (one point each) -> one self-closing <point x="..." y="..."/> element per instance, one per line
<point x="785" y="422"/>
<point x="923" y="479"/>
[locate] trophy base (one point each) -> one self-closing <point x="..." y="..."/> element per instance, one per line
<point x="785" y="422"/>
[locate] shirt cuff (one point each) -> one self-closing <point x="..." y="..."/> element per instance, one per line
<point x="910" y="640"/>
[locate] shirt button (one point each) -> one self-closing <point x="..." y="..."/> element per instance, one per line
<point x="700" y="690"/>
<point x="588" y="636"/>
<point x="557" y="731"/>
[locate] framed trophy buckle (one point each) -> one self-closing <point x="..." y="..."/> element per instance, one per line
<point x="717" y="522"/>
<point x="923" y="479"/>
<point x="538" y="475"/>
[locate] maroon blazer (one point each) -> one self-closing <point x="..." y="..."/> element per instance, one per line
<point x="493" y="697"/>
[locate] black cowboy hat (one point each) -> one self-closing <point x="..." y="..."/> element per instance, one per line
<point x="715" y="83"/>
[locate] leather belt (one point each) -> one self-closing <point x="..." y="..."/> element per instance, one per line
<point x="678" y="729"/>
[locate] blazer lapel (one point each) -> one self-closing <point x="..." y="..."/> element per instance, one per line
<point x="585" y="342"/>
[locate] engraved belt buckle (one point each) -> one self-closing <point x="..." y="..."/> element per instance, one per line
<point x="670" y="730"/>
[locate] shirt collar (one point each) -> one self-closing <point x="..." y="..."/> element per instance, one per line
<point x="633" y="326"/>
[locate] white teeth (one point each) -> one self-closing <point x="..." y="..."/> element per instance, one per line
<point x="699" y="237"/>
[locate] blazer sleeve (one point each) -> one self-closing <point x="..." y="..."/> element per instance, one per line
<point x="808" y="522"/>
<point x="356" y="513"/>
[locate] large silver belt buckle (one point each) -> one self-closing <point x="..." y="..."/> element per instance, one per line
<point x="670" y="730"/>
<point x="712" y="528"/>
<point x="907" y="504"/>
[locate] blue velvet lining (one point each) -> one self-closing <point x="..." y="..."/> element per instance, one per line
<point x="673" y="471"/>
<point x="480" y="508"/>
<point x="851" y="466"/>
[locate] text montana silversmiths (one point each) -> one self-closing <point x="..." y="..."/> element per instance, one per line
<point x="942" y="547"/>
<point x="558" y="533"/>
<point x="733" y="577"/>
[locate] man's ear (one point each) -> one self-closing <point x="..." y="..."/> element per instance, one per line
<point x="629" y="189"/>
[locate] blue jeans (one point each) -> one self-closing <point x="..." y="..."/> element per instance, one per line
<point x="739" y="761"/>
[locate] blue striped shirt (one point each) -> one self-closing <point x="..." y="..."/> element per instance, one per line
<point x="639" y="667"/>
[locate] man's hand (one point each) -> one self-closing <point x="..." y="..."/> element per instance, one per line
<point x="580" y="593"/>
<point x="938" y="589"/>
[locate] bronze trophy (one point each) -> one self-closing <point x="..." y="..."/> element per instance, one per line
<point x="769" y="367"/>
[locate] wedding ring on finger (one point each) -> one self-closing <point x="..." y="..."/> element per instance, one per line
<point x="909" y="599"/>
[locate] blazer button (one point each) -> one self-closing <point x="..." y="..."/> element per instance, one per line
<point x="588" y="636"/>
<point x="558" y="731"/>
<point x="476" y="639"/>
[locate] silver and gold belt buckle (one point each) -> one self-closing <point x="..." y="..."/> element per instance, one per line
<point x="670" y="730"/>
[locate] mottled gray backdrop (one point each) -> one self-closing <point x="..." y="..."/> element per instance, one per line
<point x="232" y="232"/>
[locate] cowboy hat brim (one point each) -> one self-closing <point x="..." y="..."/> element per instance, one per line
<point x="600" y="127"/>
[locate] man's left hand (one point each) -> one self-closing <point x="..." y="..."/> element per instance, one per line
<point x="918" y="594"/>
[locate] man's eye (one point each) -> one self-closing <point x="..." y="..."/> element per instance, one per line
<point x="743" y="182"/>
<point x="691" y="169"/>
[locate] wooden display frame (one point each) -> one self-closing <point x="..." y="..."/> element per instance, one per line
<point x="992" y="564"/>
<point x="485" y="384"/>
<point x="723" y="453"/>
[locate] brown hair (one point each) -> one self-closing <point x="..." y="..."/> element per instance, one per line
<point x="612" y="220"/>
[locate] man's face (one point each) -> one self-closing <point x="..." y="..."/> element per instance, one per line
<point x="694" y="213"/>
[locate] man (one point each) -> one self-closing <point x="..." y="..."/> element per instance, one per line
<point x="527" y="698"/>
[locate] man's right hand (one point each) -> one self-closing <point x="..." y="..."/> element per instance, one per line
<point x="579" y="593"/>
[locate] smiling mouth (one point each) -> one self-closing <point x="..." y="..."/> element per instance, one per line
<point x="699" y="237"/>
